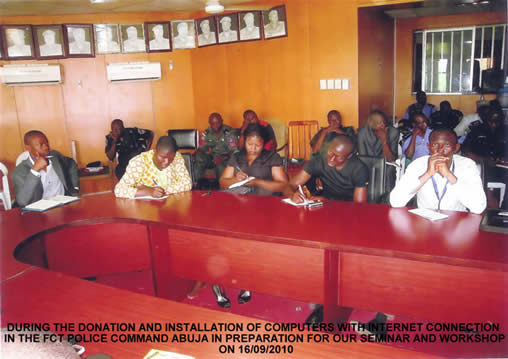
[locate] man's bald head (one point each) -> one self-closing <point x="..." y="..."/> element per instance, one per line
<point x="30" y="135"/>
<point x="339" y="151"/>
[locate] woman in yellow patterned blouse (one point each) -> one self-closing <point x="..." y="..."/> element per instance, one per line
<point x="155" y="173"/>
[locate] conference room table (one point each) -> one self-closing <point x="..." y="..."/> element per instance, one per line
<point x="342" y="255"/>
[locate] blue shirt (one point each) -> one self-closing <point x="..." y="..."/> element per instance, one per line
<point x="427" y="110"/>
<point x="421" y="145"/>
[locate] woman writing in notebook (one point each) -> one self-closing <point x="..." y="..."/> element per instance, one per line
<point x="264" y="166"/>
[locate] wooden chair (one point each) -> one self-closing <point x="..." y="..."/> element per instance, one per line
<point x="300" y="134"/>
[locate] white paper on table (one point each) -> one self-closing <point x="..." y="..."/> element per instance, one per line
<point x="241" y="183"/>
<point x="428" y="214"/>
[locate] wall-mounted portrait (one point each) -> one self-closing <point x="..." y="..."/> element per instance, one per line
<point x="1" y="46"/>
<point x="49" y="41"/>
<point x="275" y="22"/>
<point x="228" y="28"/>
<point x="158" y="36"/>
<point x="79" y="40"/>
<point x="184" y="34"/>
<point x="107" y="39"/>
<point x="133" y="38"/>
<point x="18" y="42"/>
<point x="250" y="25"/>
<point x="207" y="31"/>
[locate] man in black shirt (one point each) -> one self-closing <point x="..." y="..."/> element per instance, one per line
<point x="128" y="143"/>
<point x="446" y="117"/>
<point x="343" y="175"/>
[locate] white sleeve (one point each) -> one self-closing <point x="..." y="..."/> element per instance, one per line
<point x="405" y="189"/>
<point x="470" y="189"/>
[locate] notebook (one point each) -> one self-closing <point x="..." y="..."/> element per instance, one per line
<point x="45" y="204"/>
<point x="241" y="183"/>
<point x="429" y="214"/>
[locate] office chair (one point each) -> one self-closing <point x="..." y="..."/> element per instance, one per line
<point x="378" y="190"/>
<point x="5" y="194"/>
<point x="185" y="139"/>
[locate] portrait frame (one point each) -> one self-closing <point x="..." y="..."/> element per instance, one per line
<point x="258" y="22"/>
<point x="212" y="20"/>
<point x="88" y="28"/>
<point x="175" y="41"/>
<point x="38" y="33"/>
<point x="166" y="25"/>
<point x="2" y="50"/>
<point x="100" y="32"/>
<point x="234" y="27"/>
<point x="282" y="18"/>
<point x="27" y="31"/>
<point x="124" y="37"/>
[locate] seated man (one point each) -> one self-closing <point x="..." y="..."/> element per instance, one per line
<point x="421" y="105"/>
<point x="216" y="145"/>
<point x="471" y="121"/>
<point x="442" y="180"/>
<point x="378" y="138"/>
<point x="250" y="117"/>
<point x="127" y="142"/>
<point x="155" y="173"/>
<point x="45" y="173"/>
<point x="417" y="145"/>
<point x="446" y="117"/>
<point x="343" y="175"/>
<point x="326" y="134"/>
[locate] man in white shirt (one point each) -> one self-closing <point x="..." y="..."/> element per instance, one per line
<point x="44" y="174"/>
<point x="442" y="180"/>
<point x="471" y="120"/>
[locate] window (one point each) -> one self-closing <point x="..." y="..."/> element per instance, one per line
<point x="456" y="60"/>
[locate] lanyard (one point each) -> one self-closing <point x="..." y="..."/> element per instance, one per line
<point x="440" y="197"/>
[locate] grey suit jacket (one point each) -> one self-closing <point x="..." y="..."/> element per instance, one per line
<point x="28" y="187"/>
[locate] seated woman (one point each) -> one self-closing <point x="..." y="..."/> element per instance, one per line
<point x="269" y="178"/>
<point x="254" y="161"/>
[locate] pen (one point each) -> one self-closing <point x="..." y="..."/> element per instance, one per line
<point x="238" y="168"/>
<point x="155" y="183"/>
<point x="301" y="190"/>
<point x="206" y="194"/>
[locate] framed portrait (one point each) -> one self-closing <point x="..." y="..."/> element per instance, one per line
<point x="275" y="22"/>
<point x="107" y="39"/>
<point x="207" y="31"/>
<point x="49" y="41"/>
<point x="2" y="51"/>
<point x="250" y="25"/>
<point x="18" y="42"/>
<point x="133" y="38"/>
<point x="228" y="28"/>
<point x="78" y="39"/>
<point x="158" y="36"/>
<point x="184" y="34"/>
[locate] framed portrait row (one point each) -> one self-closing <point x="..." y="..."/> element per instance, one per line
<point x="27" y="42"/>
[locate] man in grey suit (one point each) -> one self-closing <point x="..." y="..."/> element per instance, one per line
<point x="44" y="174"/>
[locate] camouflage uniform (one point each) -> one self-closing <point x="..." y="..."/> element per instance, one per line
<point x="223" y="145"/>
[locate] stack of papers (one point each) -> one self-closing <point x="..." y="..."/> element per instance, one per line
<point x="45" y="204"/>
<point x="429" y="214"/>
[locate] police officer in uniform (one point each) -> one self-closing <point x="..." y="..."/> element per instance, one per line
<point x="217" y="143"/>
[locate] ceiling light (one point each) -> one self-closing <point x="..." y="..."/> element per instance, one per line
<point x="214" y="7"/>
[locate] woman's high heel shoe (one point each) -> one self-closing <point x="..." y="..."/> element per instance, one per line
<point x="244" y="296"/>
<point x="220" y="294"/>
